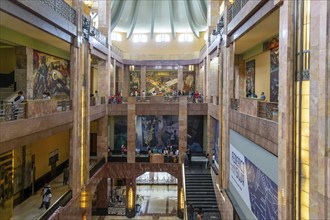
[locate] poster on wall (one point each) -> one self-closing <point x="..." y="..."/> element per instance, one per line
<point x="120" y="132"/>
<point x="250" y="76"/>
<point x="216" y="144"/>
<point x="195" y="133"/>
<point x="50" y="74"/>
<point x="188" y="81"/>
<point x="157" y="131"/>
<point x="134" y="82"/>
<point x="161" y="82"/>
<point x="256" y="189"/>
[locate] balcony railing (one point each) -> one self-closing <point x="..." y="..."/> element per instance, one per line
<point x="64" y="105"/>
<point x="234" y="104"/>
<point x="143" y="99"/>
<point x="61" y="202"/>
<point x="116" y="51"/>
<point x="235" y="8"/>
<point x="61" y="7"/>
<point x="92" y="101"/>
<point x="268" y="110"/>
<point x="10" y="112"/>
<point x="102" y="39"/>
<point x="171" y="99"/>
<point x="103" y="100"/>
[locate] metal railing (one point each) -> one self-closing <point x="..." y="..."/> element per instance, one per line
<point x="171" y="98"/>
<point x="235" y="8"/>
<point x="61" y="202"/>
<point x="92" y="101"/>
<point x="171" y="159"/>
<point x="116" y="51"/>
<point x="143" y="99"/>
<point x="102" y="39"/>
<point x="10" y="111"/>
<point x="64" y="105"/>
<point x="234" y="104"/>
<point x="103" y="100"/>
<point x="192" y="99"/>
<point x="96" y="167"/>
<point x="268" y="110"/>
<point x="61" y="7"/>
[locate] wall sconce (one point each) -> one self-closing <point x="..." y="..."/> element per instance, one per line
<point x="131" y="68"/>
<point x="191" y="68"/>
<point x="130" y="198"/>
<point x="181" y="199"/>
<point x="231" y="1"/>
<point x="83" y="199"/>
<point x="89" y="3"/>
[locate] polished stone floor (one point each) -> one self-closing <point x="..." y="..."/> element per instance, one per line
<point x="29" y="209"/>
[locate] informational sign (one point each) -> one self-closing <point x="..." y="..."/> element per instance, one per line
<point x="256" y="189"/>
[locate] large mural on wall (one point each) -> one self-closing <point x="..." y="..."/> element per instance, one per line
<point x="250" y="76"/>
<point x="195" y="133"/>
<point x="50" y="74"/>
<point x="134" y="82"/>
<point x="120" y="132"/>
<point x="161" y="81"/>
<point x="157" y="131"/>
<point x="188" y="81"/>
<point x="274" y="68"/>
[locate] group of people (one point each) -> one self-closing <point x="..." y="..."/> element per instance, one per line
<point x="192" y="211"/>
<point x="251" y="94"/>
<point x="116" y="99"/>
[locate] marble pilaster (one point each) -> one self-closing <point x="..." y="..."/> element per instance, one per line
<point x="125" y="82"/>
<point x="239" y="77"/>
<point x="143" y="79"/>
<point x="180" y="78"/>
<point x="103" y="86"/>
<point x="285" y="180"/>
<point x="131" y="130"/>
<point x="24" y="71"/>
<point x="319" y="111"/>
<point x="183" y="124"/>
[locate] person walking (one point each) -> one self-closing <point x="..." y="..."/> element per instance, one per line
<point x="17" y="101"/>
<point x="45" y="193"/>
<point x="207" y="162"/>
<point x="200" y="214"/>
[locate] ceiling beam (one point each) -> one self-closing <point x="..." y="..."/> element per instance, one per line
<point x="134" y="18"/>
<point x="116" y="12"/>
<point x="191" y="20"/>
<point x="171" y="10"/>
<point x="202" y="6"/>
<point x="153" y="14"/>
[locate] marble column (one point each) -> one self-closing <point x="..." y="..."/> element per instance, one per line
<point x="131" y="130"/>
<point x="102" y="137"/>
<point x="285" y="125"/>
<point x="103" y="86"/>
<point x="126" y="81"/>
<point x="183" y="124"/>
<point x="24" y="71"/>
<point x="180" y="78"/>
<point x="143" y="79"/>
<point x="319" y="108"/>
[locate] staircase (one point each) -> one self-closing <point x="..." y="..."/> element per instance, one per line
<point x="200" y="193"/>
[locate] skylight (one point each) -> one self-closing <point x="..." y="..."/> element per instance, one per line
<point x="186" y="38"/>
<point x="115" y="36"/>
<point x="163" y="38"/>
<point x="140" y="38"/>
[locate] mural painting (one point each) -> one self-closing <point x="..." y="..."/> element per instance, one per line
<point x="274" y="67"/>
<point x="161" y="82"/>
<point x="51" y="74"/>
<point x="188" y="81"/>
<point x="157" y="132"/>
<point x="120" y="132"/>
<point x="195" y="133"/>
<point x="250" y="76"/>
<point x="134" y="82"/>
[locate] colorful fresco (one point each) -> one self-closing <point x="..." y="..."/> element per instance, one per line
<point x="51" y="74"/>
<point x="157" y="131"/>
<point x="274" y="67"/>
<point x="250" y="76"/>
<point x="188" y="81"/>
<point x="164" y="82"/>
<point x="120" y="132"/>
<point x="134" y="82"/>
<point x="195" y="133"/>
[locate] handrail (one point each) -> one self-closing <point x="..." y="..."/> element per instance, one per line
<point x="96" y="167"/>
<point x="10" y="111"/>
<point x="185" y="212"/>
<point x="63" y="8"/>
<point x="62" y="201"/>
<point x="102" y="39"/>
<point x="116" y="51"/>
<point x="64" y="105"/>
<point x="235" y="8"/>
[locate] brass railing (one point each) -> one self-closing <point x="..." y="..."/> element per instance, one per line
<point x="234" y="104"/>
<point x="268" y="110"/>
<point x="235" y="8"/>
<point x="64" y="105"/>
<point x="61" y="7"/>
<point x="10" y="111"/>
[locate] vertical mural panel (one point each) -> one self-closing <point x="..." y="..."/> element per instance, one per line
<point x="51" y="74"/>
<point x="156" y="131"/>
<point x="161" y="82"/>
<point x="120" y="135"/>
<point x="274" y="66"/>
<point x="188" y="81"/>
<point x="134" y="82"/>
<point x="195" y="133"/>
<point x="250" y="76"/>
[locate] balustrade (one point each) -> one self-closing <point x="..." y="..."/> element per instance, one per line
<point x="235" y="8"/>
<point x="10" y="112"/>
<point x="61" y="7"/>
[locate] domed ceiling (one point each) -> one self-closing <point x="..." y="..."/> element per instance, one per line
<point x="158" y="16"/>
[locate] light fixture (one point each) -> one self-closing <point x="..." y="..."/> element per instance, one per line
<point x="89" y="3"/>
<point x="191" y="68"/>
<point x="130" y="198"/>
<point x="131" y="68"/>
<point x="181" y="199"/>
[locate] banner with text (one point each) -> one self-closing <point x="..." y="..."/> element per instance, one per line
<point x="256" y="189"/>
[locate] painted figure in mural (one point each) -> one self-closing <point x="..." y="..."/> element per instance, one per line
<point x="41" y="75"/>
<point x="189" y="83"/>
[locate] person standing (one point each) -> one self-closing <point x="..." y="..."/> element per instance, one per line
<point x="45" y="191"/>
<point x="65" y="176"/>
<point x="17" y="101"/>
<point x="46" y="198"/>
